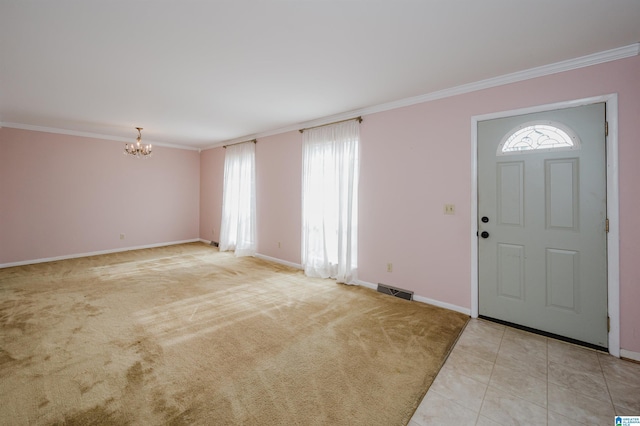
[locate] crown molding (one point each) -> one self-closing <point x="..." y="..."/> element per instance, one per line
<point x="557" y="67"/>
<point x="90" y="135"/>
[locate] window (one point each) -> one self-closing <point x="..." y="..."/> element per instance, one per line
<point x="538" y="136"/>
<point x="330" y="168"/>
<point x="238" y="228"/>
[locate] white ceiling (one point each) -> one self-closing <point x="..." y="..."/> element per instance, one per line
<point x="199" y="73"/>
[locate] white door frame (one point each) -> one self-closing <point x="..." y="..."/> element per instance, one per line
<point x="613" y="236"/>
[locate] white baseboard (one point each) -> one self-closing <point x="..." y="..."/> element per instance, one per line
<point x="372" y="286"/>
<point x="422" y="299"/>
<point x="366" y="284"/>
<point x="630" y="355"/>
<point x="441" y="304"/>
<point x="280" y="261"/>
<point x="95" y="253"/>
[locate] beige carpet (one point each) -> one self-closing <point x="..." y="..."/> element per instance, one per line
<point x="187" y="335"/>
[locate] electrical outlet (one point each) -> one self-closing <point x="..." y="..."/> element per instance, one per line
<point x="213" y="232"/>
<point x="449" y="209"/>
<point x="389" y="267"/>
<point x="122" y="236"/>
<point x="278" y="244"/>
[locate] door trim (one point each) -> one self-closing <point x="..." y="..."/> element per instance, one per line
<point x="613" y="236"/>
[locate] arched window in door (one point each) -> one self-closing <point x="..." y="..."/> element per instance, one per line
<point x="538" y="136"/>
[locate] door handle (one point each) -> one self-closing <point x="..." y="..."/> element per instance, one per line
<point x="484" y="234"/>
<point x="484" y="219"/>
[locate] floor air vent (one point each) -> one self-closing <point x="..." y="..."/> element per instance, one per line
<point x="397" y="292"/>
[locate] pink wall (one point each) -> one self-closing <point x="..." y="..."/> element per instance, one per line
<point x="415" y="160"/>
<point x="418" y="158"/>
<point x="279" y="195"/>
<point x="62" y="195"/>
<point x="211" y="180"/>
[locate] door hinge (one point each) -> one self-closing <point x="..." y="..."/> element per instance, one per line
<point x="606" y="225"/>
<point x="608" y="323"/>
<point x="606" y="128"/>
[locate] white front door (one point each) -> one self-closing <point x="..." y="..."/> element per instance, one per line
<point x="542" y="256"/>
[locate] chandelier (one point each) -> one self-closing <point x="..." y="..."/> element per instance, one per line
<point x="138" y="150"/>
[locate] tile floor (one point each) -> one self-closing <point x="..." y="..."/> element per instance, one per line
<point x="498" y="375"/>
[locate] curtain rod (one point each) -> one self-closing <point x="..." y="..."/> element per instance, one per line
<point x="238" y="143"/>
<point x="328" y="124"/>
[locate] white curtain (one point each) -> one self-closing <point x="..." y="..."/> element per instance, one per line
<point x="330" y="170"/>
<point x="238" y="228"/>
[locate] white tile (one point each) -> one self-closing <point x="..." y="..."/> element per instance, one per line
<point x="459" y="388"/>
<point x="521" y="344"/>
<point x="517" y="383"/>
<point x="438" y="410"/>
<point x="485" y="421"/>
<point x="579" y="407"/>
<point x="625" y="394"/>
<point x="488" y="324"/>
<point x="482" y="348"/>
<point x="528" y="363"/>
<point x="486" y="330"/>
<point x="573" y="356"/>
<point x="464" y="362"/>
<point x="619" y="369"/>
<point x="526" y="373"/>
<point x="624" y="411"/>
<point x="508" y="409"/>
<point x="531" y="341"/>
<point x="556" y="419"/>
<point x="585" y="382"/>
